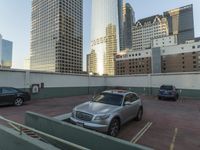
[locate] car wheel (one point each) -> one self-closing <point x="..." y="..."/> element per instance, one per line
<point x="160" y="98"/>
<point x="114" y="127"/>
<point x="139" y="114"/>
<point x="18" y="101"/>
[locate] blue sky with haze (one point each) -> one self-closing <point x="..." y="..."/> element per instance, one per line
<point x="15" y="21"/>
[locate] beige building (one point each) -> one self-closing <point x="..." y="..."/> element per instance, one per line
<point x="57" y="36"/>
<point x="145" y="30"/>
<point x="92" y="61"/>
<point x="175" y="58"/>
<point x="165" y="41"/>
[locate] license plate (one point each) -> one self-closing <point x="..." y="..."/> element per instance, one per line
<point x="80" y="124"/>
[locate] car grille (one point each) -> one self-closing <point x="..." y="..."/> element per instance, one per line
<point x="83" y="116"/>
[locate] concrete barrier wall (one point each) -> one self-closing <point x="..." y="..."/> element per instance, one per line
<point x="55" y="84"/>
<point x="180" y="80"/>
<point x="12" y="79"/>
<point x="187" y="83"/>
<point x="11" y="140"/>
<point x="62" y="85"/>
<point x="80" y="136"/>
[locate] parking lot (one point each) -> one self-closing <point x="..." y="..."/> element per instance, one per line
<point x="166" y="125"/>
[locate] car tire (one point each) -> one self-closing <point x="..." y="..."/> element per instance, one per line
<point x="159" y="98"/>
<point x="114" y="127"/>
<point x="139" y="114"/>
<point x="18" y="101"/>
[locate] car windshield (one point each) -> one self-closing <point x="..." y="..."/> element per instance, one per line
<point x="164" y="87"/>
<point x="107" y="98"/>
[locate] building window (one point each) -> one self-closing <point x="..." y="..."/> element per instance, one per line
<point x="198" y="46"/>
<point x="193" y="47"/>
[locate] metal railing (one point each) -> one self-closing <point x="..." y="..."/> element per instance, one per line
<point x="19" y="127"/>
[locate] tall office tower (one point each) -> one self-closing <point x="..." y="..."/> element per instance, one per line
<point x="106" y="35"/>
<point x="57" y="36"/>
<point x="128" y="23"/>
<point x="147" y="29"/>
<point x="181" y="22"/>
<point x="5" y="53"/>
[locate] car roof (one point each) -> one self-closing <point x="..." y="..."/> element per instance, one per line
<point x="8" y="87"/>
<point x="118" y="92"/>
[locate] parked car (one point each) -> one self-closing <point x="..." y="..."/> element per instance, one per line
<point x="108" y="111"/>
<point x="168" y="92"/>
<point x="9" y="95"/>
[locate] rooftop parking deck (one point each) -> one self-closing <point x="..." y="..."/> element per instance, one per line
<point x="166" y="124"/>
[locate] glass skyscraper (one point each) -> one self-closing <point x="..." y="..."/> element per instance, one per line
<point x="181" y="23"/>
<point x="57" y="36"/>
<point x="106" y="35"/>
<point x="5" y="53"/>
<point x="128" y="23"/>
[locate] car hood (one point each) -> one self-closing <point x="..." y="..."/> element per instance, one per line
<point x="96" y="108"/>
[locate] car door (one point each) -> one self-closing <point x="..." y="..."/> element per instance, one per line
<point x="136" y="103"/>
<point x="128" y="110"/>
<point x="2" y="97"/>
<point x="8" y="95"/>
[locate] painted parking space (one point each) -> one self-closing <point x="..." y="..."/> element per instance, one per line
<point x="166" y="125"/>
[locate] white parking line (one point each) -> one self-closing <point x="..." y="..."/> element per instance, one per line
<point x="173" y="139"/>
<point x="141" y="132"/>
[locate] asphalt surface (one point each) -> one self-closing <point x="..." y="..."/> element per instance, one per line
<point x="166" y="125"/>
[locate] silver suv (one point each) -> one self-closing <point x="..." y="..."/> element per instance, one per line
<point x="107" y="111"/>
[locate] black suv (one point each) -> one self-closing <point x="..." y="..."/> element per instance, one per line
<point x="9" y="95"/>
<point x="168" y="92"/>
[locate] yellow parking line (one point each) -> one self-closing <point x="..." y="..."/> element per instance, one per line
<point x="141" y="132"/>
<point x="173" y="139"/>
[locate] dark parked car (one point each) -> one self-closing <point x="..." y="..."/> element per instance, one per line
<point x="168" y="92"/>
<point x="9" y="95"/>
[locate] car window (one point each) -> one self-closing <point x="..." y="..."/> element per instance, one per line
<point x="164" y="87"/>
<point x="0" y="91"/>
<point x="8" y="91"/>
<point x="129" y="98"/>
<point x="107" y="98"/>
<point x="134" y="97"/>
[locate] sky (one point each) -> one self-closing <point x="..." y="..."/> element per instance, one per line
<point x="15" y="22"/>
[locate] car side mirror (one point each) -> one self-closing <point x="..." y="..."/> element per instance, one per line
<point x="127" y="103"/>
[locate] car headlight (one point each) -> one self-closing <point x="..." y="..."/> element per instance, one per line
<point x="101" y="117"/>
